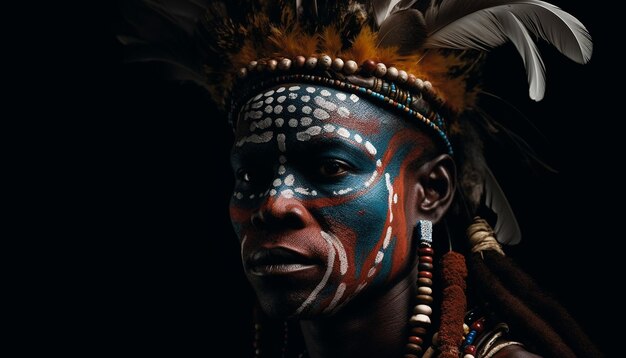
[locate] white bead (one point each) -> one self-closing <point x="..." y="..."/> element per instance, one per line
<point x="392" y="73"/>
<point x="252" y="65"/>
<point x="243" y="72"/>
<point x="466" y="328"/>
<point x="350" y="67"/>
<point x="468" y="356"/>
<point x="420" y="318"/>
<point x="380" y="70"/>
<point x="284" y="64"/>
<point x="402" y="76"/>
<point x="423" y="309"/>
<point x="337" y="64"/>
<point x="423" y="290"/>
<point x="428" y="86"/>
<point x="419" y="84"/>
<point x="311" y="62"/>
<point x="324" y="61"/>
<point x="271" y="65"/>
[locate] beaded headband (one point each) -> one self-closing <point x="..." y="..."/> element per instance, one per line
<point x="393" y="88"/>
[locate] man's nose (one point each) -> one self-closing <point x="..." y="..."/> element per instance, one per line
<point x="281" y="212"/>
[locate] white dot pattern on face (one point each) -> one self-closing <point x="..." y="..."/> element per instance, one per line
<point x="343" y="111"/>
<point x="328" y="105"/>
<point x="324" y="106"/>
<point x="320" y="114"/>
<point x="343" y="132"/>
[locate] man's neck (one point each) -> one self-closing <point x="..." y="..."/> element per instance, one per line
<point x="372" y="327"/>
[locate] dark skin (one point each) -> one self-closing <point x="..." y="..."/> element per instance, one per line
<point x="309" y="213"/>
<point x="385" y="326"/>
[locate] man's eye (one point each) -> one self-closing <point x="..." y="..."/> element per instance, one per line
<point x="244" y="175"/>
<point x="333" y="168"/>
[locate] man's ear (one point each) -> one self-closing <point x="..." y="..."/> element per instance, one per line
<point x="435" y="187"/>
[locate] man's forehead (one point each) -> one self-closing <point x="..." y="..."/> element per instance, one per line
<point x="296" y="105"/>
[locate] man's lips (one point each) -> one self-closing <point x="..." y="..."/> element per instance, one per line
<point x="277" y="261"/>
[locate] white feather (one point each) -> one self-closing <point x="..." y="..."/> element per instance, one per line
<point x="485" y="24"/>
<point x="392" y="5"/>
<point x="507" y="228"/>
<point x="559" y="28"/>
<point x="382" y="8"/>
<point x="479" y="31"/>
<point x="525" y="45"/>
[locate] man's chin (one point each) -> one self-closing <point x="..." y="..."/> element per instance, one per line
<point x="287" y="306"/>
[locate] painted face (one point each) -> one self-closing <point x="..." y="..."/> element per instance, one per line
<point x="323" y="197"/>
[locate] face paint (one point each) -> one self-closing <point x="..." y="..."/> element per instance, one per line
<point x="322" y="197"/>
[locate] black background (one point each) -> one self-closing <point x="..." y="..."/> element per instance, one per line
<point x="155" y="182"/>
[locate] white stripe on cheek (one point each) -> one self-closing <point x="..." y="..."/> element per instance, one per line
<point x="390" y="199"/>
<point x="320" y="286"/>
<point x="340" y="291"/>
<point x="343" y="257"/>
<point x="387" y="238"/>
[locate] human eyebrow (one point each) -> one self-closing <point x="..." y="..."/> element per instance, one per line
<point x="338" y="147"/>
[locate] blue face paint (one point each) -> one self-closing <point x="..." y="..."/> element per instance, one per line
<point x="319" y="203"/>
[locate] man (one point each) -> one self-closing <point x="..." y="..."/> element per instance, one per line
<point x="352" y="139"/>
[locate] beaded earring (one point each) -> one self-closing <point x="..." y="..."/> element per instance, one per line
<point x="420" y="321"/>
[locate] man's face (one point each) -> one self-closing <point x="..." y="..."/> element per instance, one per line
<point x="323" y="197"/>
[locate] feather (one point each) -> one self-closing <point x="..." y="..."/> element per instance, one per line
<point x="402" y="5"/>
<point x="525" y="45"/>
<point x="559" y="28"/>
<point x="381" y="9"/>
<point x="507" y="229"/>
<point x="404" y="29"/>
<point x="485" y="24"/>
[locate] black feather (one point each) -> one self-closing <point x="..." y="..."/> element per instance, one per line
<point x="405" y="29"/>
<point x="403" y="5"/>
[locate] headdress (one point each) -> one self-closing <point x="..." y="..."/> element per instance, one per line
<point x="422" y="58"/>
